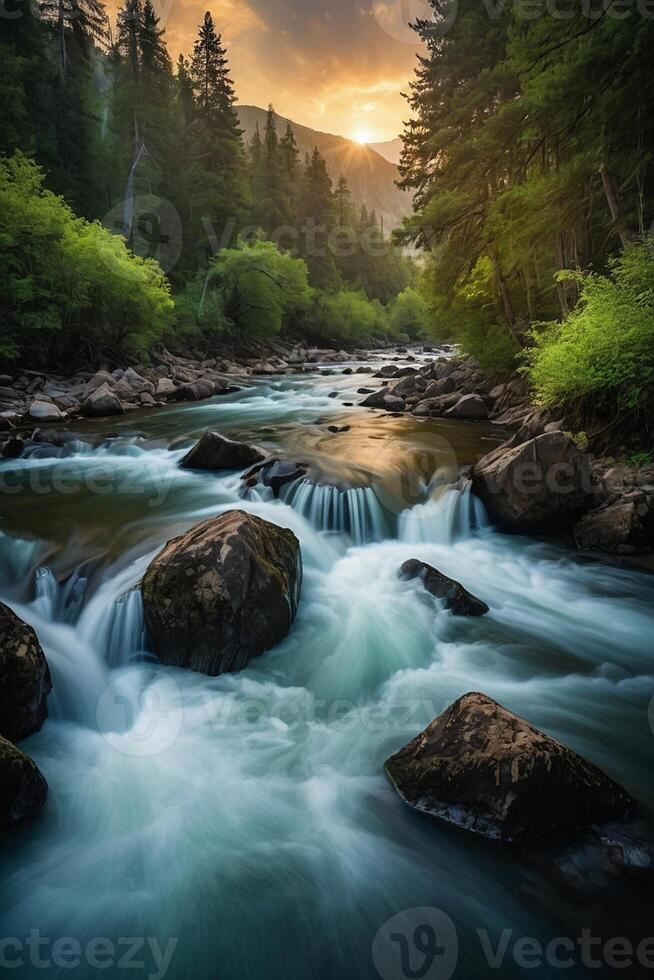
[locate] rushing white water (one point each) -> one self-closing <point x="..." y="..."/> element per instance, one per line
<point x="354" y="512"/>
<point x="247" y="816"/>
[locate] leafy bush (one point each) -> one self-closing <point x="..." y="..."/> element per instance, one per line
<point x="605" y="348"/>
<point x="252" y="290"/>
<point x="409" y="315"/>
<point x="71" y="290"/>
<point x="345" y="317"/>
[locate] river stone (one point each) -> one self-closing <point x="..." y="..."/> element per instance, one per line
<point x="455" y="596"/>
<point x="24" y="678"/>
<point x="617" y="529"/>
<point x="470" y="407"/>
<point x="222" y="593"/>
<point x="44" y="411"/>
<point x="544" y="482"/>
<point x="22" y="787"/>
<point x="216" y="452"/>
<point x="102" y="402"/>
<point x="484" y="769"/>
<point x="165" y="388"/>
<point x="196" y="391"/>
<point x="276" y="473"/>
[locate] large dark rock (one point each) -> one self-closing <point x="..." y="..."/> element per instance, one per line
<point x="24" y="678"/>
<point x="22" y="787"/>
<point x="481" y="767"/>
<point x="619" y="529"/>
<point x="540" y="484"/>
<point x="216" y="452"/>
<point x="101" y="403"/>
<point x="471" y="407"/>
<point x="384" y="399"/>
<point x="454" y="595"/>
<point x="197" y="391"/>
<point x="222" y="593"/>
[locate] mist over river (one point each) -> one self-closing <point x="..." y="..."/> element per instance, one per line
<point x="242" y="825"/>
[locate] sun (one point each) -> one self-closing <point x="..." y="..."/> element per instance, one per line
<point x="362" y="137"/>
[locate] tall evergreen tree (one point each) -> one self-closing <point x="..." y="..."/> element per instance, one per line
<point x="220" y="198"/>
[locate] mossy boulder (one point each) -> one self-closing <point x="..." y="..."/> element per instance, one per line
<point x="222" y="593"/>
<point x="482" y="768"/>
<point x="22" y="787"/>
<point x="24" y="678"/>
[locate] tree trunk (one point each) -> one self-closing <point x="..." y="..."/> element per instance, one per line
<point x="507" y="305"/>
<point x="627" y="235"/>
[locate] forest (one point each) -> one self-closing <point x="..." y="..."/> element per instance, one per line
<point x="529" y="151"/>
<point x="133" y="211"/>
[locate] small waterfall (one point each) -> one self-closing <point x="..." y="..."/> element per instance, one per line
<point x="119" y="631"/>
<point x="17" y="559"/>
<point x="455" y="515"/>
<point x="113" y="621"/>
<point x="355" y="512"/>
<point x="58" y="602"/>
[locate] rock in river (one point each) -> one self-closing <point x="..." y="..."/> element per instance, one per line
<point x="542" y="482"/>
<point x="456" y="598"/>
<point x="481" y="767"/>
<point x="22" y="787"/>
<point x="24" y="678"/>
<point x="216" y="452"/>
<point x="222" y="593"/>
<point x="102" y="402"/>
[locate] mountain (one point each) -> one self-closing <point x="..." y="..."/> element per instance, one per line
<point x="391" y="150"/>
<point x="371" y="178"/>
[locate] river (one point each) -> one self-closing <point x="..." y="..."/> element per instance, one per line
<point x="244" y="822"/>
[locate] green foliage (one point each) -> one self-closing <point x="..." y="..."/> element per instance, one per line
<point x="530" y="150"/>
<point x="70" y="288"/>
<point x="605" y="347"/>
<point x="249" y="290"/>
<point x="409" y="315"/>
<point x="345" y="317"/>
<point x="642" y="458"/>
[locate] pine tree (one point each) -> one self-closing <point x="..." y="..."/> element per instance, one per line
<point x="220" y="197"/>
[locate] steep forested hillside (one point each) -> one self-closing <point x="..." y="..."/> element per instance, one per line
<point x="371" y="178"/>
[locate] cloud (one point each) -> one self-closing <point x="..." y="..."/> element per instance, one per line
<point x="325" y="64"/>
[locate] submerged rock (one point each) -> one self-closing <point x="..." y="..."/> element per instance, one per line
<point x="454" y="595"/>
<point x="543" y="481"/>
<point x="482" y="768"/>
<point x="276" y="473"/>
<point x="22" y="787"/>
<point x="222" y="593"/>
<point x="24" y="678"/>
<point x="102" y="402"/>
<point x="216" y="452"/>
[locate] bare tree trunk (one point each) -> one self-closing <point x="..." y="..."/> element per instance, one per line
<point x="627" y="235"/>
<point x="507" y="305"/>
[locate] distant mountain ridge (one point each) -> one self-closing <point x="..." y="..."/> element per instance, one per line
<point x="391" y="150"/>
<point x="371" y="177"/>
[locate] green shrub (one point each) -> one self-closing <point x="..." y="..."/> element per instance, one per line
<point x="70" y="289"/>
<point x="605" y="348"/>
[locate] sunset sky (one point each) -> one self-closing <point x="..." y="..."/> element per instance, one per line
<point x="335" y="65"/>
